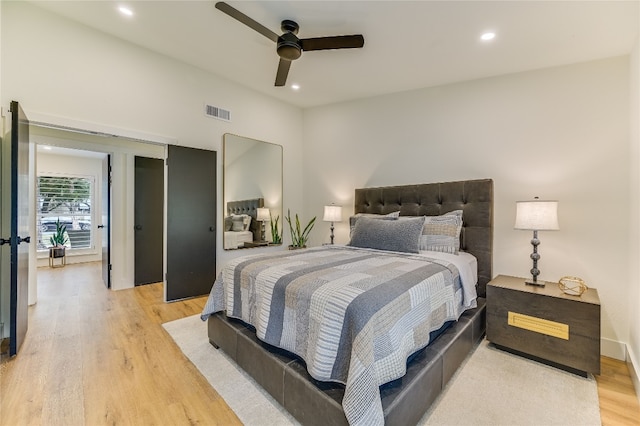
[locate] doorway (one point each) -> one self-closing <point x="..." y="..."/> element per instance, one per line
<point x="122" y="152"/>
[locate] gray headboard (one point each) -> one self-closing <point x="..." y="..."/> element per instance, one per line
<point x="249" y="207"/>
<point x="473" y="197"/>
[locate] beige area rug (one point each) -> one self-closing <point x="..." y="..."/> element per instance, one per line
<point x="492" y="387"/>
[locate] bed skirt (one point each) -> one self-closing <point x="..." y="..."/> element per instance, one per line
<point x="404" y="401"/>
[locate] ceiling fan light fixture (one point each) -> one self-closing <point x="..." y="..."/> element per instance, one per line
<point x="289" y="47"/>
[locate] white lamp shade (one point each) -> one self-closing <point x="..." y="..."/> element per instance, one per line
<point x="537" y="215"/>
<point x="332" y="213"/>
<point x="263" y="214"/>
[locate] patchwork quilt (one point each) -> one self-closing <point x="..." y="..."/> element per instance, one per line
<point x="353" y="315"/>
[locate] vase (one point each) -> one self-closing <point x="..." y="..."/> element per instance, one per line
<point x="56" y="252"/>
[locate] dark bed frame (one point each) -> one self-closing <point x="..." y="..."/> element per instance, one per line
<point x="406" y="399"/>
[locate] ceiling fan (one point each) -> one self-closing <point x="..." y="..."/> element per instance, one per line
<point x="289" y="46"/>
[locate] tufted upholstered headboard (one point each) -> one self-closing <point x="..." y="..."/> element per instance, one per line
<point x="473" y="197"/>
<point x="249" y="207"/>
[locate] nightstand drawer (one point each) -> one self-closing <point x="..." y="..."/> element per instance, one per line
<point x="545" y="324"/>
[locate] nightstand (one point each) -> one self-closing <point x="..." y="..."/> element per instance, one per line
<point x="544" y="324"/>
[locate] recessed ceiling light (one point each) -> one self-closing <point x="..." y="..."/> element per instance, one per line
<point x="48" y="148"/>
<point x="295" y="86"/>
<point x="488" y="36"/>
<point x="125" y="11"/>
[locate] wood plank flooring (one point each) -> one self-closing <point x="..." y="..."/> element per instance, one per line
<point x="97" y="357"/>
<point x="618" y="401"/>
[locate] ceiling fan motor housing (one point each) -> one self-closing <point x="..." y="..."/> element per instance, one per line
<point x="289" y="46"/>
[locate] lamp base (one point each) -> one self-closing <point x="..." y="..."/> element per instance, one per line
<point x="536" y="283"/>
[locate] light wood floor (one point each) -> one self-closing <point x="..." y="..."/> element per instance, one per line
<point x="96" y="357"/>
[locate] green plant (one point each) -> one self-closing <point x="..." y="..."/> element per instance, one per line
<point x="58" y="239"/>
<point x="299" y="236"/>
<point x="276" y="235"/>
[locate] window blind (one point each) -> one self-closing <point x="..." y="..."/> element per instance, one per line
<point x="66" y="201"/>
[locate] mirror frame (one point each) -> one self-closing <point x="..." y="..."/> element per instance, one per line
<point x="272" y="201"/>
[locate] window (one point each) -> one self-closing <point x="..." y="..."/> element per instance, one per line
<point x="67" y="200"/>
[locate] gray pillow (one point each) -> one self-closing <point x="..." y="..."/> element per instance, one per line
<point x="237" y="223"/>
<point x="354" y="219"/>
<point x="228" y="223"/>
<point x="392" y="235"/>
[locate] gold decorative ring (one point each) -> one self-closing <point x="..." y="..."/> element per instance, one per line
<point x="573" y="286"/>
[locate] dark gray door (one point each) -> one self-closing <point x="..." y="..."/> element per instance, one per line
<point x="191" y="222"/>
<point x="149" y="220"/>
<point x="19" y="298"/>
<point x="105" y="224"/>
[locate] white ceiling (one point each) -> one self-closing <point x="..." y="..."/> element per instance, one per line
<point x="408" y="45"/>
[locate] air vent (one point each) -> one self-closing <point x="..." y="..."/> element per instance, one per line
<point x="217" y="112"/>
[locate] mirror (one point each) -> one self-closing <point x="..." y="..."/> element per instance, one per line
<point x="252" y="182"/>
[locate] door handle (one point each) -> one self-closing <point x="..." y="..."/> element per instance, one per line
<point x="212" y="229"/>
<point x="100" y="226"/>
<point x="3" y="241"/>
<point x="137" y="227"/>
<point x="24" y="240"/>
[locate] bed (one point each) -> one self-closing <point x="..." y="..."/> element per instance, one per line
<point x="423" y="371"/>
<point x="246" y="212"/>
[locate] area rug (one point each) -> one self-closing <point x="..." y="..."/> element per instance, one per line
<point x="491" y="387"/>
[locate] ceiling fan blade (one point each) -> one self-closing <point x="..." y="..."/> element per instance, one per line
<point x="283" y="72"/>
<point x="336" y="42"/>
<point x="236" y="14"/>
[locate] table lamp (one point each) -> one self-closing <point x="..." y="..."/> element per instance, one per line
<point x="536" y="215"/>
<point x="332" y="214"/>
<point x="263" y="216"/>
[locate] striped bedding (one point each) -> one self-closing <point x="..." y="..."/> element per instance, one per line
<point x="353" y="315"/>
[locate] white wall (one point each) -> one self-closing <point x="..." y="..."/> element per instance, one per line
<point x="634" y="219"/>
<point x="560" y="133"/>
<point x="83" y="76"/>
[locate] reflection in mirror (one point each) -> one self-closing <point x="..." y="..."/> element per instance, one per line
<point x="252" y="183"/>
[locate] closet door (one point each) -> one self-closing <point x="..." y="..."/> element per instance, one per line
<point x="191" y="222"/>
<point x="148" y="220"/>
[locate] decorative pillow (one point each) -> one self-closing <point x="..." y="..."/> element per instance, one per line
<point x="237" y="223"/>
<point x="228" y="223"/>
<point x="442" y="233"/>
<point x="240" y="222"/>
<point x="393" y="235"/>
<point x="353" y="219"/>
<point x="247" y="222"/>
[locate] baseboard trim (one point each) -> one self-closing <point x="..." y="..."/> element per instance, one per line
<point x="613" y="349"/>
<point x="634" y="372"/>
